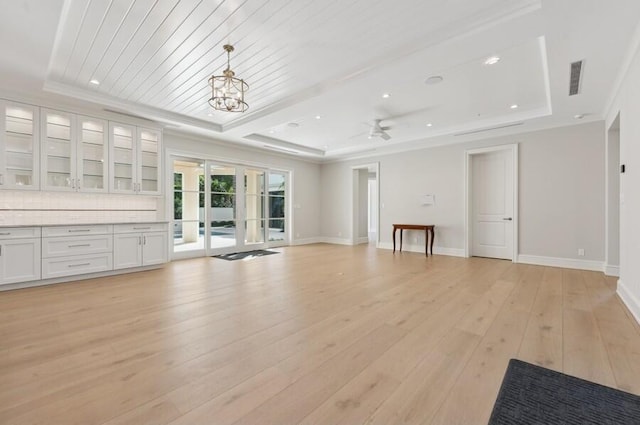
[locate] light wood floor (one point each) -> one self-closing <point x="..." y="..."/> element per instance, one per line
<point x="315" y="335"/>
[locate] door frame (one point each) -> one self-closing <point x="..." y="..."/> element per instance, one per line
<point x="354" y="201"/>
<point x="170" y="154"/>
<point x="468" y="196"/>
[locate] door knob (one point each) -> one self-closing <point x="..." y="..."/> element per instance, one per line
<point x="508" y="218"/>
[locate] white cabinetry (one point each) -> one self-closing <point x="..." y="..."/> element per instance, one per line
<point x="74" y="152"/>
<point x="19" y="254"/>
<point x="138" y="245"/>
<point x="135" y="159"/>
<point x="73" y="250"/>
<point x="19" y="146"/>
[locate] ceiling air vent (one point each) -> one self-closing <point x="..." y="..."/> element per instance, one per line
<point x="575" y="78"/>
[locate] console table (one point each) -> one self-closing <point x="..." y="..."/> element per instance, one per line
<point x="428" y="228"/>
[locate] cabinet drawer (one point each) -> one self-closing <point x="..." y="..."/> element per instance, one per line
<point x="140" y="228"/>
<point x="92" y="229"/>
<point x="76" y="245"/>
<point x="19" y="232"/>
<point x="79" y="264"/>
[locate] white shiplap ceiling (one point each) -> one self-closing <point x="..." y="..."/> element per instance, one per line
<point x="332" y="59"/>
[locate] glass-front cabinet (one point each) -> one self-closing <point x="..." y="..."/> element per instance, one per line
<point x="135" y="159"/>
<point x="92" y="155"/>
<point x="74" y="152"/>
<point x="123" y="157"/>
<point x="149" y="148"/>
<point x="19" y="146"/>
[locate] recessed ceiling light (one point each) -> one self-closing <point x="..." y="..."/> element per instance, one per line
<point x="429" y="125"/>
<point x="209" y="114"/>
<point x="271" y="131"/>
<point x="293" y="125"/>
<point x="433" y="80"/>
<point x="94" y="82"/>
<point x="514" y="106"/>
<point x="386" y="95"/>
<point x="578" y="116"/>
<point x="318" y="117"/>
<point x="492" y="60"/>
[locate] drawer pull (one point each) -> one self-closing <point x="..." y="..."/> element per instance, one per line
<point x="79" y="265"/>
<point x="79" y="230"/>
<point x="141" y="228"/>
<point x="79" y="245"/>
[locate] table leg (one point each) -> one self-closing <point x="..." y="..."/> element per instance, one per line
<point x="393" y="236"/>
<point x="433" y="236"/>
<point x="426" y="242"/>
<point x="401" y="230"/>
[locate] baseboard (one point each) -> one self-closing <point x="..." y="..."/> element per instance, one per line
<point x="629" y="300"/>
<point x="612" y="270"/>
<point x="438" y="250"/>
<point x="565" y="263"/>
<point x="364" y="239"/>
<point x="336" y="241"/>
<point x="308" y="241"/>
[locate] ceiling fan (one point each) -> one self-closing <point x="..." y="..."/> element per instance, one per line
<point x="378" y="131"/>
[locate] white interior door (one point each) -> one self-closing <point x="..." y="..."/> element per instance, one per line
<point x="492" y="202"/>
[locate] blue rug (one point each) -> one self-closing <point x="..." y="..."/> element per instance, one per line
<point x="533" y="395"/>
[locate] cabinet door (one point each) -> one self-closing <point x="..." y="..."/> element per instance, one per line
<point x="92" y="155"/>
<point x="58" y="151"/>
<point x="19" y="146"/>
<point x="154" y="248"/>
<point x="149" y="170"/>
<point x="123" y="155"/>
<point x="127" y="250"/>
<point x="19" y="260"/>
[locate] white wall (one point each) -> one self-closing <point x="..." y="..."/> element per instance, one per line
<point x="627" y="104"/>
<point x="613" y="202"/>
<point x="305" y="176"/>
<point x="561" y="194"/>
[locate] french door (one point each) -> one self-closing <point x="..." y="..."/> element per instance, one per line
<point x="222" y="208"/>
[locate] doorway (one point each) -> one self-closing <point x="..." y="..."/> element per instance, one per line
<point x="220" y="208"/>
<point x="365" y="204"/>
<point x="612" y="249"/>
<point x="491" y="223"/>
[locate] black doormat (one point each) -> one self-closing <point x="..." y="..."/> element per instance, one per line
<point x="245" y="255"/>
<point x="534" y="395"/>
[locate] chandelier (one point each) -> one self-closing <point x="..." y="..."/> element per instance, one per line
<point x="227" y="91"/>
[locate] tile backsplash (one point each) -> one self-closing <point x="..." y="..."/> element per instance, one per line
<point x="42" y="208"/>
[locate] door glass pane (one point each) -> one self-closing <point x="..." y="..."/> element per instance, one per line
<point x="254" y="206"/>
<point x="188" y="205"/>
<point x="58" y="150"/>
<point x="276" y="230"/>
<point x="149" y="155"/>
<point x="19" y="146"/>
<point x="92" y="150"/>
<point x="277" y="206"/>
<point x="123" y="144"/>
<point x="254" y="231"/>
<point x="223" y="206"/>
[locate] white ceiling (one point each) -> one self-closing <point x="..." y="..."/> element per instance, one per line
<point x="328" y="58"/>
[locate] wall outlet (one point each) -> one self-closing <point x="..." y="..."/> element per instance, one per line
<point x="297" y="235"/>
<point x="581" y="252"/>
<point x="339" y="234"/>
